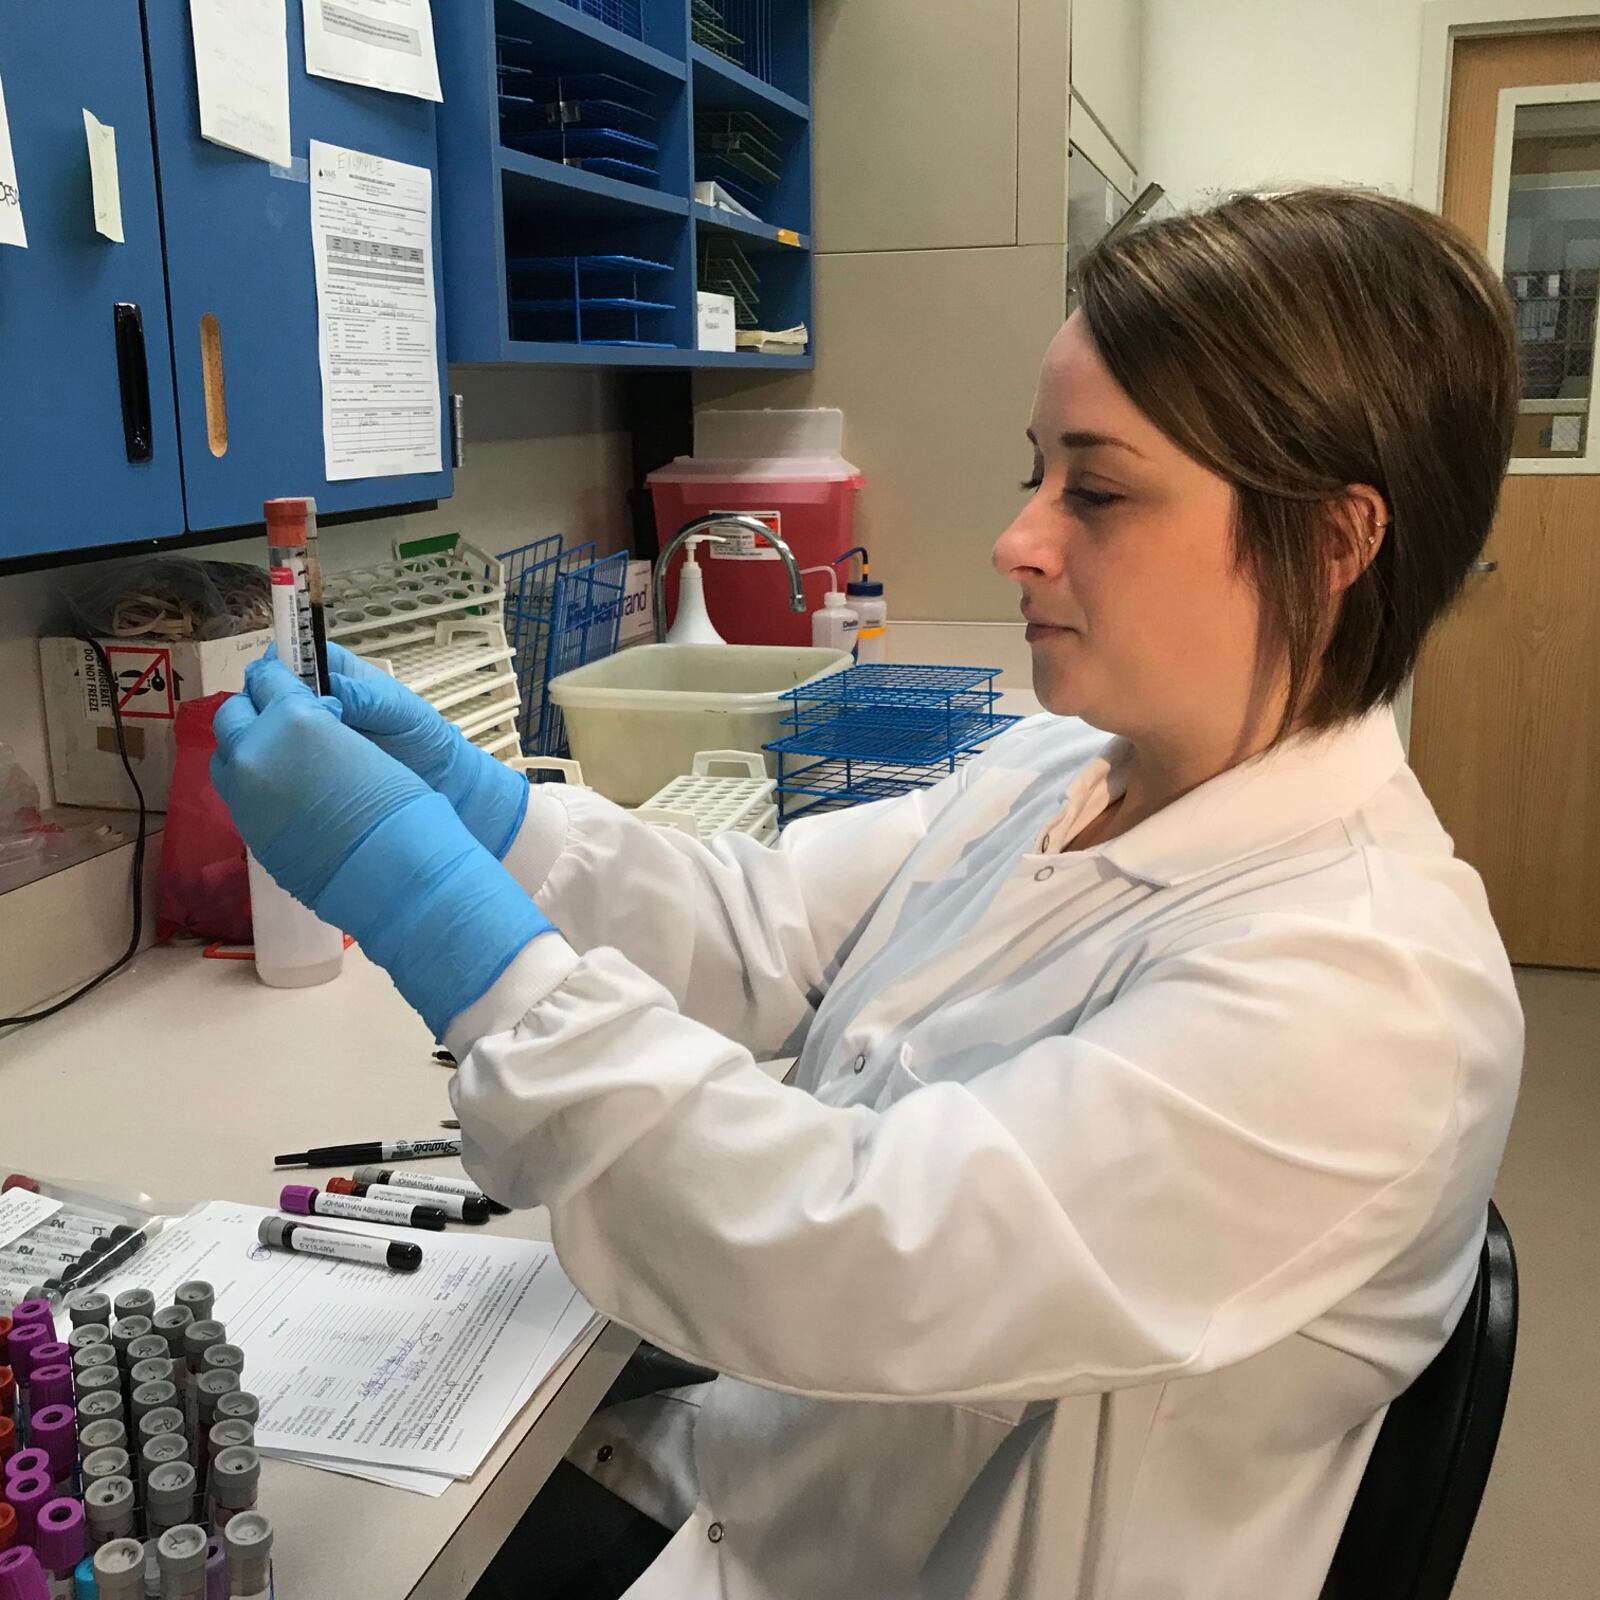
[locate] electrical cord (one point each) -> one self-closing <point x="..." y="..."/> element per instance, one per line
<point x="138" y="856"/>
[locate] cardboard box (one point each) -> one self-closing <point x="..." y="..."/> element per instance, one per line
<point x="151" y="679"/>
<point x="638" y="610"/>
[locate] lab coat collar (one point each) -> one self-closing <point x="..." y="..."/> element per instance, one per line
<point x="1306" y="782"/>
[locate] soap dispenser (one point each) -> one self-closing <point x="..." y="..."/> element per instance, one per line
<point x="692" y="622"/>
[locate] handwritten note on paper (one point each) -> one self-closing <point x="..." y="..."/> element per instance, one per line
<point x="103" y="180"/>
<point x="383" y="44"/>
<point x="241" y="66"/>
<point x="11" y="228"/>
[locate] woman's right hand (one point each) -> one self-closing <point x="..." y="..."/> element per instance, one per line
<point x="487" y="795"/>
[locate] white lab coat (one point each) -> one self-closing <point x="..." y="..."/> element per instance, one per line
<point x="1118" y="1192"/>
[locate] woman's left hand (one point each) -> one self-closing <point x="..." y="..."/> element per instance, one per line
<point x="367" y="845"/>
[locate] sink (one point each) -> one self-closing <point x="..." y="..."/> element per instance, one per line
<point x="636" y="719"/>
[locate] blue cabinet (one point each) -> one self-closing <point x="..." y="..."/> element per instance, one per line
<point x="88" y="441"/>
<point x="243" y="289"/>
<point x="572" y="137"/>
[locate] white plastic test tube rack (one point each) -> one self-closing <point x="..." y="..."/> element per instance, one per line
<point x="708" y="801"/>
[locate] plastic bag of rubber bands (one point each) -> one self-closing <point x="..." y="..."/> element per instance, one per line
<point x="172" y="598"/>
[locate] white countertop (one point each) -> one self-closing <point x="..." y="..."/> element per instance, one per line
<point x="181" y="1078"/>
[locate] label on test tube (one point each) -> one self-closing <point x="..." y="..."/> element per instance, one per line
<point x="412" y="1212"/>
<point x="341" y="1246"/>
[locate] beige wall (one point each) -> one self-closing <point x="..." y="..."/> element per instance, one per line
<point x="941" y="242"/>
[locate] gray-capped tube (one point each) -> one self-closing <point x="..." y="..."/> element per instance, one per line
<point x="168" y="1497"/>
<point x="248" y="1542"/>
<point x="104" y="1433"/>
<point x="88" y="1333"/>
<point x="134" y="1303"/>
<point x="153" y="1369"/>
<point x="165" y="1419"/>
<point x="240" y="1405"/>
<point x="88" y="1306"/>
<point x="235" y="1481"/>
<point x="111" y="1462"/>
<point x="228" y="1432"/>
<point x="98" y="1406"/>
<point x="169" y="1447"/>
<point x="97" y="1380"/>
<point x="148" y="1397"/>
<point x="181" y="1556"/>
<point x="123" y="1334"/>
<point x="169" y="1322"/>
<point x="210" y="1387"/>
<point x="88" y="1356"/>
<point x="151" y="1347"/>
<point x="223" y="1358"/>
<point x="119" y="1570"/>
<point x="199" y="1337"/>
<point x="108" y="1504"/>
<point x="197" y="1297"/>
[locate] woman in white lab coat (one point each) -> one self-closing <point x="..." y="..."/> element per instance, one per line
<point x="1151" y="1087"/>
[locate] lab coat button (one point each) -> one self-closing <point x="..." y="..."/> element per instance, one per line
<point x="714" y="1533"/>
<point x="861" y="1062"/>
<point x="1044" y="874"/>
<point x="604" y="1454"/>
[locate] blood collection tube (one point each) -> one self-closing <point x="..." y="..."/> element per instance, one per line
<point x="457" y="1207"/>
<point x="98" y="1407"/>
<point x="119" y="1570"/>
<point x="108" y="1505"/>
<point x="39" y="1311"/>
<point x="235" y="1480"/>
<point x="134" y="1303"/>
<point x="29" y="1494"/>
<point x="148" y="1397"/>
<point x="55" y="1431"/>
<point x="106" y="1433"/>
<point x="168" y="1499"/>
<point x="87" y="1356"/>
<point x="228" y="1433"/>
<point x="248" y="1542"/>
<point x="152" y="1347"/>
<point x="8" y="1442"/>
<point x="301" y="1199"/>
<point x="210" y="1387"/>
<point x="61" y="1540"/>
<point x="8" y="1528"/>
<point x="199" y="1337"/>
<point x="428" y="1182"/>
<point x="279" y="1233"/>
<point x="123" y="1335"/>
<point x="240" y="1405"/>
<point x="8" y="1392"/>
<point x="111" y="1462"/>
<point x="157" y="1453"/>
<point x="21" y="1576"/>
<point x="216" y="1568"/>
<point x="88" y="1306"/>
<point x="197" y="1297"/>
<point x="295" y="571"/>
<point x="181" y="1556"/>
<point x="49" y="1386"/>
<point x="153" y="1369"/>
<point x="25" y="1463"/>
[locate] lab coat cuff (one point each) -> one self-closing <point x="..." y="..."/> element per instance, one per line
<point x="538" y="843"/>
<point x="540" y="968"/>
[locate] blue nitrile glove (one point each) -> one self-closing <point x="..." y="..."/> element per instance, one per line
<point x="368" y="846"/>
<point x="488" y="796"/>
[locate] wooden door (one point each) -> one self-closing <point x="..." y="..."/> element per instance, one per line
<point x="1506" y="721"/>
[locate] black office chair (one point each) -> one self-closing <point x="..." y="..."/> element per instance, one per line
<point x="1413" y="1514"/>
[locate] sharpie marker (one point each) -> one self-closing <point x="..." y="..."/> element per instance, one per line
<point x="458" y="1207"/>
<point x="430" y="1183"/>
<point x="341" y="1155"/>
<point x="304" y="1201"/>
<point x="279" y="1233"/>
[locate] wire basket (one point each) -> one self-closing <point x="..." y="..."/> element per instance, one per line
<point x="724" y="268"/>
<point x="739" y="31"/>
<point x="877" y="731"/>
<point x="531" y="572"/>
<point x="626" y="16"/>
<point x="585" y="618"/>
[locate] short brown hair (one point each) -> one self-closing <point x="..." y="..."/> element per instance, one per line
<point x="1296" y="344"/>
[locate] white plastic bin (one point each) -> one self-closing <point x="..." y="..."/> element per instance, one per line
<point x="636" y="720"/>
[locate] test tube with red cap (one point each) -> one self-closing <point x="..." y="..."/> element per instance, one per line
<point x="295" y="571"/>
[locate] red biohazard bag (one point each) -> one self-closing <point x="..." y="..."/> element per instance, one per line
<point x="205" y="888"/>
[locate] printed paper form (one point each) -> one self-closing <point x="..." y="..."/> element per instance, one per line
<point x="414" y="1370"/>
<point x="384" y="44"/>
<point x="11" y="228"/>
<point x="372" y="243"/>
<point x="241" y="66"/>
<point x="21" y="1209"/>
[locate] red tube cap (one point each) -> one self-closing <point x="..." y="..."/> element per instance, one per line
<point x="286" y="521"/>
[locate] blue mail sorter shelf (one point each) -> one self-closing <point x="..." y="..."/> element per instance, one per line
<point x="570" y="138"/>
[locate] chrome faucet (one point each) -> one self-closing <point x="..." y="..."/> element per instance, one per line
<point x="704" y="527"/>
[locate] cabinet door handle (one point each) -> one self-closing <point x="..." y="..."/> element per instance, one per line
<point x="133" y="379"/>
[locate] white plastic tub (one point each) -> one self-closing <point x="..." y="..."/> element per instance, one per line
<point x="637" y="719"/>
